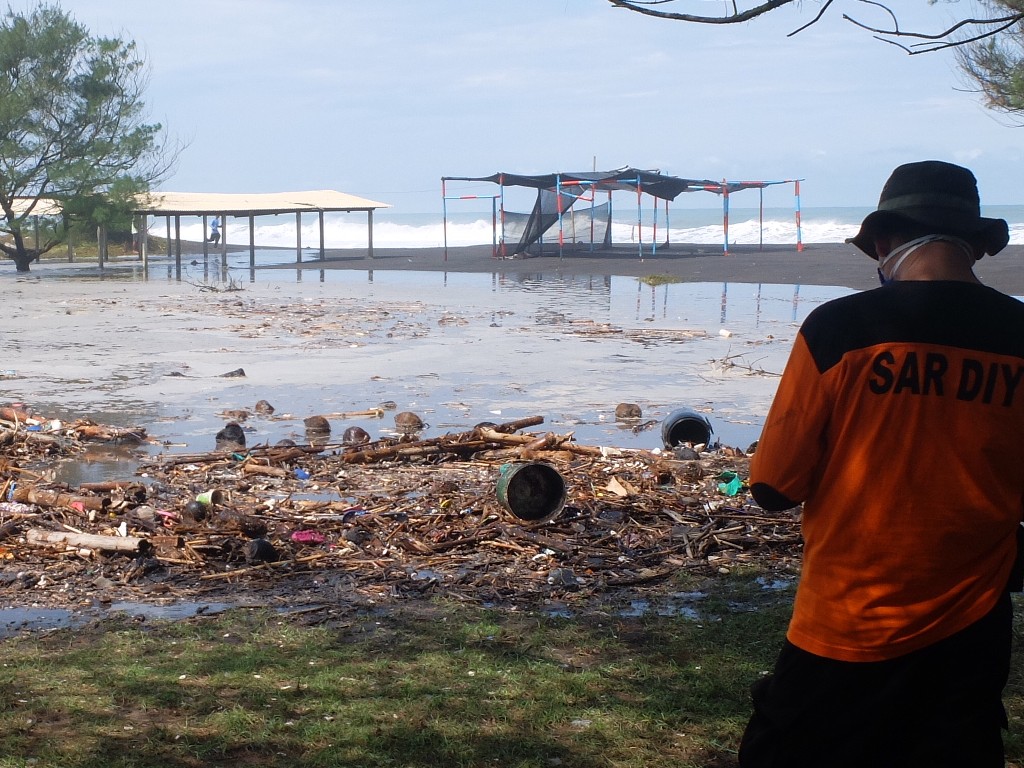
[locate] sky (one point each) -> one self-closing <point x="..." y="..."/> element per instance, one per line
<point x="381" y="98"/>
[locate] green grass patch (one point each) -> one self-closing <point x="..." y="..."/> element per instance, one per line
<point x="656" y="280"/>
<point x="424" y="684"/>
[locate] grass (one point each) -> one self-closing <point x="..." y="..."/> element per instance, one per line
<point x="656" y="280"/>
<point x="423" y="685"/>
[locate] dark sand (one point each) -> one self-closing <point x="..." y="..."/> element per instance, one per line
<point x="818" y="264"/>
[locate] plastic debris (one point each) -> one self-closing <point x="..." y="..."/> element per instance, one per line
<point x="731" y="483"/>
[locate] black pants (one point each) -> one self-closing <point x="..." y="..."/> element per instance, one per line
<point x="940" y="706"/>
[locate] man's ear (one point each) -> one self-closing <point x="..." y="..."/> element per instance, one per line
<point x="883" y="246"/>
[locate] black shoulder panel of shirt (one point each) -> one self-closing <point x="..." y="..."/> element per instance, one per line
<point x="769" y="499"/>
<point x="946" y="313"/>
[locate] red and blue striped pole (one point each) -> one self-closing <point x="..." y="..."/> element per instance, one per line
<point x="799" y="235"/>
<point x="725" y="215"/>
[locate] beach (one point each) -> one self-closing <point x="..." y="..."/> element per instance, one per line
<point x="459" y="341"/>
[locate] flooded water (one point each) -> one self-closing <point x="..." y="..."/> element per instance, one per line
<point x="455" y="348"/>
<point x="32" y="619"/>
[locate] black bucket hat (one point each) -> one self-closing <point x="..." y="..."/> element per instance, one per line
<point x="935" y="195"/>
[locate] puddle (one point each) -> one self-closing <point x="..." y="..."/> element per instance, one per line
<point x="455" y="348"/>
<point x="36" y="619"/>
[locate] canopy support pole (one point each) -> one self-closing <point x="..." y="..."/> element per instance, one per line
<point x="223" y="239"/>
<point x="799" y="235"/>
<point x="668" y="227"/>
<point x="725" y="217"/>
<point x="369" y="232"/>
<point x="320" y="217"/>
<point x="760" y="218"/>
<point x="558" y="207"/>
<point x="444" y="217"/>
<point x="177" y="247"/>
<point x="144" y="242"/>
<point x="639" y="223"/>
<point x="501" y="193"/>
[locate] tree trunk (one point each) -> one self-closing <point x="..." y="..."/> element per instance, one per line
<point x="23" y="257"/>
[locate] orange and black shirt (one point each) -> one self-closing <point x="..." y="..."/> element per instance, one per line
<point x="899" y="424"/>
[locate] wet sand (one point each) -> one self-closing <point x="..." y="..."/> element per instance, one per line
<point x="817" y="264"/>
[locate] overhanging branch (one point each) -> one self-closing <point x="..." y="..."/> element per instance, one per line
<point x="979" y="28"/>
<point x="737" y="16"/>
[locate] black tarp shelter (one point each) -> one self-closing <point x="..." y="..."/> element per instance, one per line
<point x="558" y="192"/>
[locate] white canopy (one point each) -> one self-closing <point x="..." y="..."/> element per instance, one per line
<point x="44" y="206"/>
<point x="174" y="205"/>
<point x="200" y="203"/>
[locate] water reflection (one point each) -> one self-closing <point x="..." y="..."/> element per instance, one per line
<point x="458" y="348"/>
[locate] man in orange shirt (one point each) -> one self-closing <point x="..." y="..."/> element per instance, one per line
<point x="898" y="424"/>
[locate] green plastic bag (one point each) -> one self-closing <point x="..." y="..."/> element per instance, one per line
<point x="731" y="483"/>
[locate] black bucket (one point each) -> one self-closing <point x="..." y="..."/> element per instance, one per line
<point x="685" y="426"/>
<point x="531" y="491"/>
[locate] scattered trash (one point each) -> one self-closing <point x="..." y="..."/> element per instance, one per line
<point x="731" y="483"/>
<point x="260" y="551"/>
<point x="210" y="498"/>
<point x="317" y="425"/>
<point x="534" y="492"/>
<point x="355" y="436"/>
<point x="195" y="510"/>
<point x="369" y="516"/>
<point x="308" y="536"/>
<point x="685" y="426"/>
<point x="408" y="422"/>
<point x="231" y="437"/>
<point x="628" y="411"/>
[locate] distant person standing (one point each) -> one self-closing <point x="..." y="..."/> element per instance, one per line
<point x="214" y="231"/>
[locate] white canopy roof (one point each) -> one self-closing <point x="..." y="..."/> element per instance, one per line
<point x="45" y="206"/>
<point x="202" y="203"/>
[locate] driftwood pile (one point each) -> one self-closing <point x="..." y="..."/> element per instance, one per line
<point x="324" y="521"/>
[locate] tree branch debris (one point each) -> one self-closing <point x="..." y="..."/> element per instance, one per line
<point x="392" y="518"/>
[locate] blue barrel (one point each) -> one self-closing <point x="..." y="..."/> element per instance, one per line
<point x="685" y="426"/>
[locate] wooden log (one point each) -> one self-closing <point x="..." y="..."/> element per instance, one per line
<point x="47" y="497"/>
<point x="375" y="413"/>
<point x="560" y="442"/>
<point x="108" y="434"/>
<point x="262" y="469"/>
<point x="40" y="538"/>
<point x="42" y="438"/>
<point x="532" y="441"/>
<point x="17" y="415"/>
<point x="458" y="442"/>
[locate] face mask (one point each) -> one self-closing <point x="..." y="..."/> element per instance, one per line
<point x="908" y="248"/>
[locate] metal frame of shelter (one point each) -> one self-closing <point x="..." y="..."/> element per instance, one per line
<point x="177" y="204"/>
<point x="654" y="183"/>
<point x="38" y="208"/>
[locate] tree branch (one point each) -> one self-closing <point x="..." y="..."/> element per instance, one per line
<point x="990" y="27"/>
<point x="737" y="16"/>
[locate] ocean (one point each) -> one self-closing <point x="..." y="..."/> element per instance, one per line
<point x="393" y="229"/>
